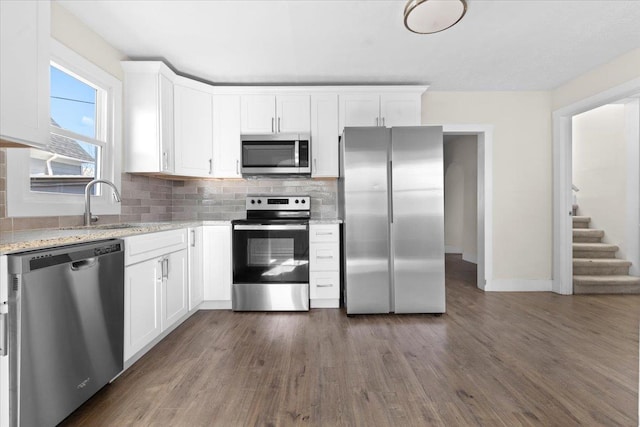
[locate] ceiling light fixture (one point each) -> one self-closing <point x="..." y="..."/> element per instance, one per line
<point x="433" y="16"/>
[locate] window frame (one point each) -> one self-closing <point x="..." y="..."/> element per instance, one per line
<point x="21" y="201"/>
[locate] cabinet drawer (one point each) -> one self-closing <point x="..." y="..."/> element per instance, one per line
<point x="146" y="246"/>
<point x="324" y="233"/>
<point x="324" y="285"/>
<point x="324" y="257"/>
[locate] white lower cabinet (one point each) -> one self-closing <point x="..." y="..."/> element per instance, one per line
<point x="324" y="265"/>
<point x="156" y="287"/>
<point x="142" y="316"/>
<point x="196" y="268"/>
<point x="217" y="266"/>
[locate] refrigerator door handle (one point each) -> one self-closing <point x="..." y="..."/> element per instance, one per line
<point x="390" y="172"/>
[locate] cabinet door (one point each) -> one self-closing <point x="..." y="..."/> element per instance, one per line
<point x="217" y="262"/>
<point x="359" y="109"/>
<point x="24" y="71"/>
<point x="324" y="135"/>
<point x="196" y="268"/>
<point x="148" y="120"/>
<point x="400" y="109"/>
<point x="142" y="317"/>
<point x="258" y="113"/>
<point x="226" y="136"/>
<point x="193" y="132"/>
<point x="166" y="118"/>
<point x="293" y="114"/>
<point x="176" y="291"/>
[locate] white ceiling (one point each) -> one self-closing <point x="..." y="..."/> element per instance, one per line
<point x="498" y="45"/>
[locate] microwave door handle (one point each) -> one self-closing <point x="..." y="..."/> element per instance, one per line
<point x="296" y="149"/>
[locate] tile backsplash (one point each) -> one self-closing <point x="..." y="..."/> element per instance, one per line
<point x="225" y="198"/>
<point x="150" y="199"/>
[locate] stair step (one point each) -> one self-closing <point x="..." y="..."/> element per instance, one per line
<point x="594" y="250"/>
<point x="587" y="235"/>
<point x="600" y="266"/>
<point x="606" y="284"/>
<point x="581" y="221"/>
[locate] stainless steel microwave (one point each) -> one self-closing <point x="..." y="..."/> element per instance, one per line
<point x="287" y="154"/>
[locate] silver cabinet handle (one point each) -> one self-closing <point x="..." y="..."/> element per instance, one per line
<point x="328" y="285"/>
<point x="324" y="256"/>
<point x="165" y="160"/>
<point x="376" y="121"/>
<point x="237" y="167"/>
<point x="210" y="166"/>
<point x="383" y="122"/>
<point x="324" y="233"/>
<point x="193" y="238"/>
<point x="278" y="124"/>
<point x="167" y="260"/>
<point x="272" y="121"/>
<point x="315" y="164"/>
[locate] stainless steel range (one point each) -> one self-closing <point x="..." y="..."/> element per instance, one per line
<point x="271" y="255"/>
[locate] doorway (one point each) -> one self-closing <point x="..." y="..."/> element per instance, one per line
<point x="563" y="121"/>
<point x="482" y="137"/>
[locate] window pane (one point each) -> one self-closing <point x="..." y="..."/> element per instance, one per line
<point x="66" y="168"/>
<point x="73" y="103"/>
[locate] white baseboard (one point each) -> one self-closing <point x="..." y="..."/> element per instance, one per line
<point x="452" y="250"/>
<point x="470" y="258"/>
<point x="518" y="285"/>
<point x="215" y="305"/>
<point x="325" y="303"/>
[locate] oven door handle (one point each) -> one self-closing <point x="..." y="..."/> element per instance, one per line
<point x="269" y="227"/>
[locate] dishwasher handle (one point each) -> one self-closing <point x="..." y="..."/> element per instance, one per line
<point x="84" y="264"/>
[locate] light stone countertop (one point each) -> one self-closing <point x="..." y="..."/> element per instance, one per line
<point x="325" y="221"/>
<point x="39" y="239"/>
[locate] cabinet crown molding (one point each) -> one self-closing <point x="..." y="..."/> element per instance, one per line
<point x="227" y="89"/>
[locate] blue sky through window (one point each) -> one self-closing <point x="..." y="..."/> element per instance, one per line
<point x="73" y="106"/>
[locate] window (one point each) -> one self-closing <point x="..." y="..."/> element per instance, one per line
<point x="84" y="143"/>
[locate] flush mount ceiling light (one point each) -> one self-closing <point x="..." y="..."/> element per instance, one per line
<point x="432" y="16"/>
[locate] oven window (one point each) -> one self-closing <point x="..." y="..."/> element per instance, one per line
<point x="267" y="252"/>
<point x="268" y="155"/>
<point x="270" y="256"/>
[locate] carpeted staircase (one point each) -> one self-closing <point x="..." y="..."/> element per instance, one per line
<point x="596" y="270"/>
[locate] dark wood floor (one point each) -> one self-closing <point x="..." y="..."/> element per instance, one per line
<point x="494" y="359"/>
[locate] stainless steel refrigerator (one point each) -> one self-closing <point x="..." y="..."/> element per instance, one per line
<point x="391" y="191"/>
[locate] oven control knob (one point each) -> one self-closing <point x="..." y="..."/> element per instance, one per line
<point x="259" y="201"/>
<point x="297" y="201"/>
<point x="253" y="201"/>
<point x="303" y="201"/>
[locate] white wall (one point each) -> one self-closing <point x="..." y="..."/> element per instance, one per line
<point x="621" y="70"/>
<point x="461" y="195"/>
<point x="522" y="172"/>
<point x="74" y="34"/>
<point x="600" y="170"/>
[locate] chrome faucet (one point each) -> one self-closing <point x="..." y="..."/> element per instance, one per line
<point x="88" y="219"/>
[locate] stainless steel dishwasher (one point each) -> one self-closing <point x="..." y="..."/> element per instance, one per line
<point x="66" y="327"/>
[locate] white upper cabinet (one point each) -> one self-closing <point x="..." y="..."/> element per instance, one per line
<point x="293" y="114"/>
<point x="148" y="117"/>
<point x="359" y="109"/>
<point x="400" y="109"/>
<point x="226" y="136"/>
<point x="324" y="136"/>
<point x="193" y="130"/>
<point x="24" y="71"/>
<point x="380" y="109"/>
<point x="267" y="113"/>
